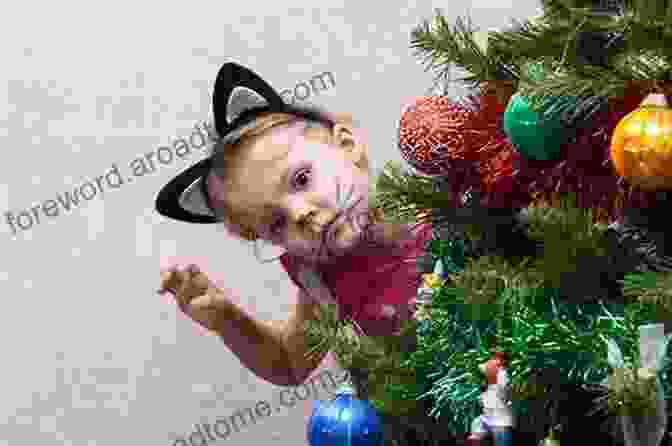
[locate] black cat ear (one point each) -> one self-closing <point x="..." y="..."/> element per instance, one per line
<point x="238" y="91"/>
<point x="184" y="198"/>
<point x="239" y="96"/>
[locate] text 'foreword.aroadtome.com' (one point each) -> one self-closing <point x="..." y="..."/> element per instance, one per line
<point x="197" y="143"/>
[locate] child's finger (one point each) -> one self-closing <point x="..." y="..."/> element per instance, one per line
<point x="168" y="282"/>
<point x="193" y="269"/>
<point x="201" y="281"/>
<point x="173" y="267"/>
<point x="202" y="302"/>
<point x="167" y="277"/>
<point x="184" y="291"/>
<point x="170" y="270"/>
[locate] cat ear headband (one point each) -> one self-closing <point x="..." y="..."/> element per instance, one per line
<point x="240" y="97"/>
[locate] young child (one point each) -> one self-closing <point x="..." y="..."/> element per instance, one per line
<point x="298" y="179"/>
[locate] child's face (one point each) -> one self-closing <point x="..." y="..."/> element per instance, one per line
<point x="304" y="189"/>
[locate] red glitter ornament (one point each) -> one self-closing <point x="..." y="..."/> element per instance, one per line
<point x="433" y="135"/>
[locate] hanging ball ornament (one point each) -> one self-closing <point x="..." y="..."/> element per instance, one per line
<point x="641" y="145"/>
<point x="433" y="134"/>
<point x="345" y="421"/>
<point x="537" y="135"/>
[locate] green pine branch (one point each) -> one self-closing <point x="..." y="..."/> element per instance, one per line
<point x="534" y="40"/>
<point x="560" y="10"/>
<point x="584" y="82"/>
<point x="484" y="281"/>
<point x="577" y="90"/>
<point x="402" y="195"/>
<point x="650" y="289"/>
<point x="408" y="198"/>
<point x="441" y="45"/>
<point x="390" y="381"/>
<point x="645" y="27"/>
<point x="568" y="235"/>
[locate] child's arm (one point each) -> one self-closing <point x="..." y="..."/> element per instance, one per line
<point x="294" y="338"/>
<point x="274" y="352"/>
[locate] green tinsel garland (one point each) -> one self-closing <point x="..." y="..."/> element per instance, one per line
<point x="534" y="327"/>
<point x="512" y="301"/>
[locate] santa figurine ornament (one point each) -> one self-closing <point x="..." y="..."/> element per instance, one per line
<point x="497" y="417"/>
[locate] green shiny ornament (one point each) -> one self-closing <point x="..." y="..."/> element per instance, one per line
<point x="535" y="135"/>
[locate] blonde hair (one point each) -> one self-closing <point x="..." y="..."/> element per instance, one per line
<point x="227" y="153"/>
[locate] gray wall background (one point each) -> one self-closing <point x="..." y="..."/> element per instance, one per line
<point x="91" y="355"/>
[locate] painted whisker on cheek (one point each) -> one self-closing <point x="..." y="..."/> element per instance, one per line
<point x="343" y="203"/>
<point x="350" y="219"/>
<point x="338" y="195"/>
<point x="348" y="199"/>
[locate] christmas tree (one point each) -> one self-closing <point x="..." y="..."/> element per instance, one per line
<point x="547" y="188"/>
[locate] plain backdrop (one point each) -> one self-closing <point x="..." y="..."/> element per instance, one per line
<point x="90" y="354"/>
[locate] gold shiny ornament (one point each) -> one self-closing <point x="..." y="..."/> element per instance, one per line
<point x="641" y="146"/>
<point x="432" y="281"/>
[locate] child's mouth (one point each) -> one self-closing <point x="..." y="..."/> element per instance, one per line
<point x="333" y="227"/>
<point x="342" y="218"/>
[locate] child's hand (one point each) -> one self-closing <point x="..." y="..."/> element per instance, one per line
<point x="196" y="296"/>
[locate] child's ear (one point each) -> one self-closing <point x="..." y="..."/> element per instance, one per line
<point x="348" y="139"/>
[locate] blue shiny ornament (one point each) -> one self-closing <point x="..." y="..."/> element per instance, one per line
<point x="344" y="421"/>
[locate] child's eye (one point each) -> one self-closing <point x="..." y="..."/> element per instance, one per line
<point x="302" y="178"/>
<point x="277" y="225"/>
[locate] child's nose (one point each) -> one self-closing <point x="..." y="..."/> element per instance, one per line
<point x="314" y="221"/>
<point x="308" y="217"/>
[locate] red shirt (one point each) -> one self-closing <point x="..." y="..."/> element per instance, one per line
<point x="376" y="290"/>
